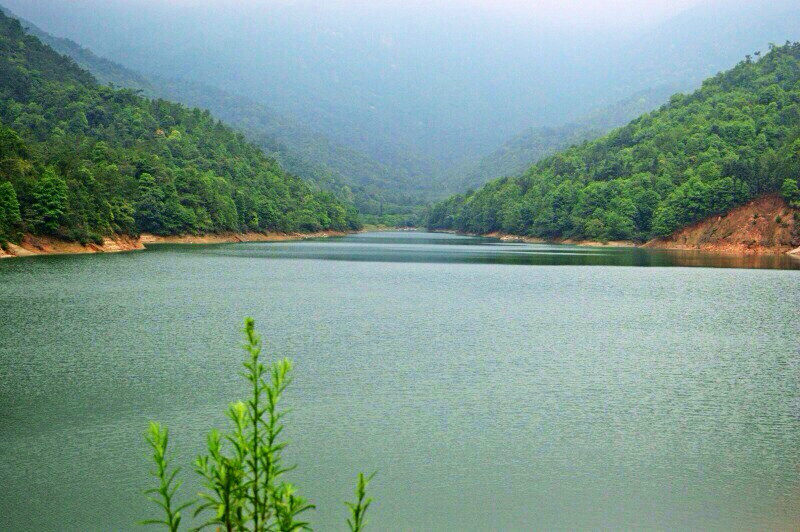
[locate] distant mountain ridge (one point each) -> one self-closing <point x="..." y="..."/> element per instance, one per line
<point x="418" y="87"/>
<point x="368" y="184"/>
<point x="532" y="145"/>
<point x="735" y="139"/>
<point x="389" y="114"/>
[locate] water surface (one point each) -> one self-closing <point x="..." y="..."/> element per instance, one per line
<point x="491" y="385"/>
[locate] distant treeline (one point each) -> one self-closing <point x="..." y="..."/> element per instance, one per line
<point x="80" y="160"/>
<point x="701" y="154"/>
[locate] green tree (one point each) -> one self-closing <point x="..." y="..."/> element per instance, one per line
<point x="50" y="202"/>
<point x="10" y="219"/>
<point x="150" y="205"/>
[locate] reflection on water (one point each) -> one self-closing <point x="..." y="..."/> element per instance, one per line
<point x="447" y="248"/>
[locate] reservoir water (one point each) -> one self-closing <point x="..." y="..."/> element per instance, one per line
<point x="492" y="386"/>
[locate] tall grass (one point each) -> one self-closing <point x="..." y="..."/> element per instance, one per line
<point x="243" y="474"/>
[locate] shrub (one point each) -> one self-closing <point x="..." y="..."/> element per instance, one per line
<point x="791" y="192"/>
<point x="243" y="473"/>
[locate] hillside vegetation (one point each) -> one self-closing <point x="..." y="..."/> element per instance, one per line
<point x="381" y="195"/>
<point x="736" y="138"/>
<point x="80" y="160"/>
<point x="516" y="155"/>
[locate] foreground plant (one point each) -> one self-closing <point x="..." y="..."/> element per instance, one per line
<point x="358" y="509"/>
<point x="158" y="437"/>
<point x="243" y="471"/>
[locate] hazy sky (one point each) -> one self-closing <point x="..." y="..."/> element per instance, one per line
<point x="563" y="12"/>
<point x="591" y="13"/>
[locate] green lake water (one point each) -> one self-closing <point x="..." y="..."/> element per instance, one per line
<point x="493" y="386"/>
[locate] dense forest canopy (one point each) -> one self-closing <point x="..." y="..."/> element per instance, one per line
<point x="514" y="157"/>
<point x="381" y="195"/>
<point x="735" y="138"/>
<point x="80" y="160"/>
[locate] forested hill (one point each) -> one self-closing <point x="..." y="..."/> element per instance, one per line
<point x="380" y="194"/>
<point x="105" y="71"/>
<point x="529" y="147"/>
<point x="80" y="160"/>
<point x="735" y="138"/>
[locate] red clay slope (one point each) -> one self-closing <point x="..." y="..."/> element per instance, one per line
<point x="765" y="225"/>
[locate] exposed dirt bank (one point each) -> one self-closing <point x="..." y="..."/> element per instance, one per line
<point x="38" y="245"/>
<point x="46" y="245"/>
<point x="533" y="240"/>
<point x="222" y="238"/>
<point x="765" y="225"/>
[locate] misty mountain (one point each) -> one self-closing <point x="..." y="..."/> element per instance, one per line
<point x="675" y="56"/>
<point x="82" y="161"/>
<point x="371" y="186"/>
<point x="419" y="90"/>
<point x="532" y="145"/>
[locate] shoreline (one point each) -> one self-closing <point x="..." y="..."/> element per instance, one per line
<point x="388" y="229"/>
<point x="741" y="249"/>
<point x="508" y="237"/>
<point x="505" y="237"/>
<point x="763" y="226"/>
<point x="32" y="246"/>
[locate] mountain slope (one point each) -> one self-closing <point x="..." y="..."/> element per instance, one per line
<point x="378" y="192"/>
<point x="80" y="160"/>
<point x="368" y="184"/>
<point x="736" y="138"/>
<point x="105" y="71"/>
<point x="532" y="145"/>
